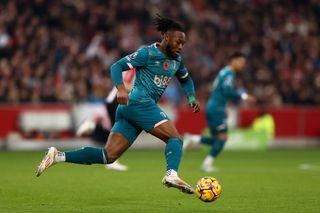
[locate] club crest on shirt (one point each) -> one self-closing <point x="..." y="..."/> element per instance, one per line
<point x="174" y="64"/>
<point x="165" y="65"/>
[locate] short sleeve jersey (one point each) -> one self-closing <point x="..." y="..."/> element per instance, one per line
<point x="223" y="89"/>
<point x="154" y="71"/>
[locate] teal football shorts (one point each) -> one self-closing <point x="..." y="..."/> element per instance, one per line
<point x="217" y="121"/>
<point x="137" y="116"/>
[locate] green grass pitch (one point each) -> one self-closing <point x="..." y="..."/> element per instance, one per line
<point x="269" y="181"/>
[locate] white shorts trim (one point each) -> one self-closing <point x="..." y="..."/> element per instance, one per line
<point x="160" y="122"/>
<point x="221" y="127"/>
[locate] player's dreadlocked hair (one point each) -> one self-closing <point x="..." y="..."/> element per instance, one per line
<point x="165" y="24"/>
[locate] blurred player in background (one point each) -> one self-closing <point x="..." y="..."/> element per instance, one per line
<point x="155" y="66"/>
<point x="223" y="90"/>
<point x="98" y="132"/>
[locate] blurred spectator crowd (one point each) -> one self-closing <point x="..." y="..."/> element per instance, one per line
<point x="60" y="51"/>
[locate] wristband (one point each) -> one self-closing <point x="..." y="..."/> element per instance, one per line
<point x="191" y="99"/>
<point x="244" y="96"/>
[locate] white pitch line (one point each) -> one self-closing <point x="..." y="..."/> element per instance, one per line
<point x="311" y="167"/>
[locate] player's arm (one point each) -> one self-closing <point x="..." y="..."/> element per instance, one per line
<point x="136" y="59"/>
<point x="228" y="88"/>
<point x="229" y="91"/>
<point x="187" y="86"/>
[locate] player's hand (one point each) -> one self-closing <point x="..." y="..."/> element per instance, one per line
<point x="195" y="106"/>
<point x="251" y="99"/>
<point x="122" y="95"/>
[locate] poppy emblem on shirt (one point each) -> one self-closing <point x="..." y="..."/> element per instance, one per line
<point x="165" y="65"/>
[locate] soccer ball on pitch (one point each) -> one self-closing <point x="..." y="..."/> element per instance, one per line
<point x="208" y="189"/>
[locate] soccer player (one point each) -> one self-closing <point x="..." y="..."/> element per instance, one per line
<point x="155" y="66"/>
<point x="223" y="90"/>
<point x="96" y="128"/>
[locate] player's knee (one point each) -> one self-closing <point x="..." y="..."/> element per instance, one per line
<point x="178" y="138"/>
<point x="175" y="140"/>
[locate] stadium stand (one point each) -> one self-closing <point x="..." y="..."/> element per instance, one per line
<point x="60" y="51"/>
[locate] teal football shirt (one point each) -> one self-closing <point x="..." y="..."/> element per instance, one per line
<point x="154" y="71"/>
<point x="223" y="90"/>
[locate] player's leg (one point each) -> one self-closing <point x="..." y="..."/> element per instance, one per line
<point x="105" y="155"/>
<point x="85" y="155"/>
<point x="115" y="146"/>
<point x="123" y="134"/>
<point x="152" y="119"/>
<point x="167" y="132"/>
<point x="218" y="129"/>
<point x="216" y="142"/>
<point x="148" y="116"/>
<point x="219" y="136"/>
<point x="121" y="137"/>
<point x="99" y="134"/>
<point x="111" y="107"/>
<point x="216" y="148"/>
<point x="191" y="140"/>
